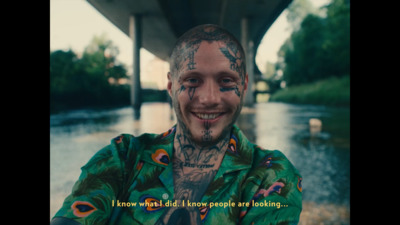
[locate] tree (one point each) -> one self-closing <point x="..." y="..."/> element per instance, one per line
<point x="304" y="60"/>
<point x="319" y="48"/>
<point x="84" y="82"/>
<point x="100" y="58"/>
<point x="337" y="40"/>
<point x="297" y="11"/>
<point x="62" y="65"/>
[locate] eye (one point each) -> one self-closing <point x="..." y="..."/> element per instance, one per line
<point x="192" y="81"/>
<point x="227" y="81"/>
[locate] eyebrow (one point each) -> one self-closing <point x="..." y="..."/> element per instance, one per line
<point x="219" y="74"/>
<point x="190" y="73"/>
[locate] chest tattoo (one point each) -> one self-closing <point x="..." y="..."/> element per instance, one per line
<point x="193" y="171"/>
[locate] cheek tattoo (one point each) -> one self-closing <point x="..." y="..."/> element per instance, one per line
<point x="236" y="89"/>
<point x="183" y="88"/>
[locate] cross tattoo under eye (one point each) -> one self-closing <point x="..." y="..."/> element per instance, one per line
<point x="191" y="92"/>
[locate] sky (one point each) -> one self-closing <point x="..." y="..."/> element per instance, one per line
<point x="74" y="23"/>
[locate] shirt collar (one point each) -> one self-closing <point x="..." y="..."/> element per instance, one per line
<point x="160" y="151"/>
<point x="239" y="154"/>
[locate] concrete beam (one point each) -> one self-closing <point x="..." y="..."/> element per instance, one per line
<point x="135" y="33"/>
<point x="248" y="47"/>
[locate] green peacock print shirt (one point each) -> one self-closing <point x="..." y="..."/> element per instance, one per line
<point x="130" y="181"/>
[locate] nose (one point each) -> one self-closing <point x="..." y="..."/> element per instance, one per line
<point x="210" y="95"/>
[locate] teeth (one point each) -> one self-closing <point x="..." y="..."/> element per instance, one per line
<point x="205" y="116"/>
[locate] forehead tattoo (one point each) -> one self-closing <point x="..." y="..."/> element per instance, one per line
<point x="182" y="57"/>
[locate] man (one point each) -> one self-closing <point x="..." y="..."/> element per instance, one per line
<point x="203" y="170"/>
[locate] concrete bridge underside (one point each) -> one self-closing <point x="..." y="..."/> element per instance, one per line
<point x="156" y="24"/>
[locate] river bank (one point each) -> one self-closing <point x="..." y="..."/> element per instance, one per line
<point x="332" y="92"/>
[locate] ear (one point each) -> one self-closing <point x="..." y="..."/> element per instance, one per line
<point x="169" y="84"/>
<point x="246" y="80"/>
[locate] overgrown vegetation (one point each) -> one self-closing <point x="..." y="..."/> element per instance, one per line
<point x="317" y="50"/>
<point x="331" y="91"/>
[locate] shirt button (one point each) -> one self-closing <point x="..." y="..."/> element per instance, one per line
<point x="165" y="196"/>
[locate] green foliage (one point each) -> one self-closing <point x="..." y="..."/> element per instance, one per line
<point x="331" y="91"/>
<point x="320" y="48"/>
<point x="297" y="11"/>
<point x="85" y="82"/>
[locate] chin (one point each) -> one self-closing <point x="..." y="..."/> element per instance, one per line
<point x="211" y="136"/>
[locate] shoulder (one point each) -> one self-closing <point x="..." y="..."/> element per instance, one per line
<point x="122" y="148"/>
<point x="126" y="149"/>
<point x="273" y="159"/>
<point x="262" y="160"/>
<point x="274" y="164"/>
<point x="272" y="168"/>
<point x="272" y="179"/>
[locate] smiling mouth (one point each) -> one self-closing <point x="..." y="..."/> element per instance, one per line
<point x="207" y="116"/>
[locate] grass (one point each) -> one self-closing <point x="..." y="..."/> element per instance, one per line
<point x="332" y="91"/>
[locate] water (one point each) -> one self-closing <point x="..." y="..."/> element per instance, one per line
<point x="321" y="156"/>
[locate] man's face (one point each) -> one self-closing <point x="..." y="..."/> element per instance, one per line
<point x="208" y="91"/>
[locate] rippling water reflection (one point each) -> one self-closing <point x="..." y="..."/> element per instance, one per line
<point x="322" y="157"/>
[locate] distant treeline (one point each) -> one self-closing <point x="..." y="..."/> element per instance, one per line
<point x="92" y="80"/>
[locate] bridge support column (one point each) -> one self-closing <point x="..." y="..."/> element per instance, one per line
<point x="135" y="33"/>
<point x="248" y="47"/>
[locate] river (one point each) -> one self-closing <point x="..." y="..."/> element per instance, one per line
<point x="322" y="156"/>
